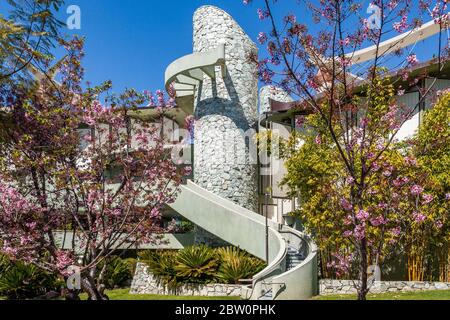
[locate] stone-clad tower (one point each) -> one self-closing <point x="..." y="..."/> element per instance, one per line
<point x="226" y="111"/>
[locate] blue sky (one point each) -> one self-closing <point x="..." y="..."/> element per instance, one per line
<point x="132" y="42"/>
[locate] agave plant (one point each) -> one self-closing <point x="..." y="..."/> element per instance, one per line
<point x="162" y="266"/>
<point x="117" y="272"/>
<point x="197" y="264"/>
<point x="4" y="264"/>
<point x="22" y="281"/>
<point x="237" y="264"/>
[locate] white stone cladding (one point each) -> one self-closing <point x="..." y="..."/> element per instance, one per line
<point x="225" y="109"/>
<point x="274" y="93"/>
<point x="347" y="286"/>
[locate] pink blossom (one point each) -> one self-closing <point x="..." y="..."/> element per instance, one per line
<point x="362" y="215"/>
<point x="427" y="198"/>
<point x="382" y="205"/>
<point x="63" y="260"/>
<point x="360" y="232"/>
<point x="262" y="37"/>
<point x="380" y="220"/>
<point x="346" y="204"/>
<point x="345" y="42"/>
<point x="375" y="166"/>
<point x="398" y="182"/>
<point x="341" y="263"/>
<point x="410" y="161"/>
<point x="344" y="61"/>
<point x="350" y="180"/>
<point x="347" y="233"/>
<point x="402" y="25"/>
<point x="447" y="196"/>
<point x="416" y="190"/>
<point x="300" y="121"/>
<point x="364" y="122"/>
<point x="405" y="75"/>
<point x="438" y="224"/>
<point x="387" y="173"/>
<point x="318" y="139"/>
<point x="290" y="18"/>
<point x="262" y="14"/>
<point x="396" y="231"/>
<point x="348" y="220"/>
<point x="412" y="59"/>
<point x="419" y="217"/>
<point x="392" y="4"/>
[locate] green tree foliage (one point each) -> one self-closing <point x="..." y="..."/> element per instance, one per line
<point x="432" y="149"/>
<point x="27" y="35"/>
<point x="375" y="206"/>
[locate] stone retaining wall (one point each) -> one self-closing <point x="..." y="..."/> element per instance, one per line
<point x="145" y="283"/>
<point x="346" y="286"/>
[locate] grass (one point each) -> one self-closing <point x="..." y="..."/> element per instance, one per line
<point x="123" y="294"/>
<point x="421" y="295"/>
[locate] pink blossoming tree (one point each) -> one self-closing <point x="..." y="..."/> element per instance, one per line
<point x="361" y="117"/>
<point x="79" y="179"/>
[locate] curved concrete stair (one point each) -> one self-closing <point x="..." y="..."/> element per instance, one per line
<point x="292" y="267"/>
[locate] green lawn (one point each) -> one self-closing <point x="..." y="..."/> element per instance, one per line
<point x="123" y="294"/>
<point x="422" y="295"/>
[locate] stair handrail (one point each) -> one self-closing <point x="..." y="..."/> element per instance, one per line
<point x="311" y="254"/>
<point x="275" y="265"/>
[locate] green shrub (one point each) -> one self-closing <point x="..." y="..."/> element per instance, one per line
<point x="162" y="266"/>
<point x="236" y="264"/>
<point x="4" y="264"/>
<point x="22" y="281"/>
<point x="184" y="227"/>
<point x="131" y="262"/>
<point x="117" y="272"/>
<point x="200" y="265"/>
<point x="197" y="264"/>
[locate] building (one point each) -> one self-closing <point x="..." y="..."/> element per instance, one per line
<point x="228" y="198"/>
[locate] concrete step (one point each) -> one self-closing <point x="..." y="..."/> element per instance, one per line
<point x="267" y="296"/>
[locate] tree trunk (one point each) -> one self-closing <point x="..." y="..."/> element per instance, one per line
<point x="94" y="292"/>
<point x="363" y="290"/>
<point x="71" y="295"/>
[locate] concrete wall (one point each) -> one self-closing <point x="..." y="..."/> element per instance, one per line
<point x="226" y="108"/>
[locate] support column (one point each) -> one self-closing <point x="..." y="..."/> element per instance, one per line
<point x="226" y="112"/>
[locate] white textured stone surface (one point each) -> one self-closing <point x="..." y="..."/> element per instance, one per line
<point x="225" y="109"/>
<point x="145" y="283"/>
<point x="347" y="286"/>
<point x="274" y="93"/>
